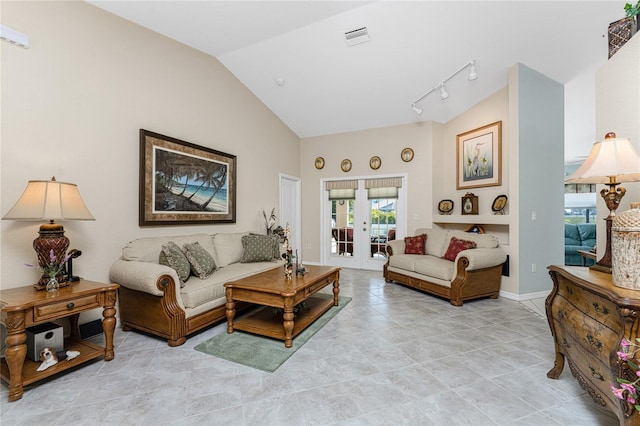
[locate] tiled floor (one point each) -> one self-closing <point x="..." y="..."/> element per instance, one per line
<point x="393" y="356"/>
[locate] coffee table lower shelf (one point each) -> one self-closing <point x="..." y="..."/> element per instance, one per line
<point x="266" y="322"/>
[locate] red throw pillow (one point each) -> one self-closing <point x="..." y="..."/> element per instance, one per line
<point x="415" y="245"/>
<point x="456" y="246"/>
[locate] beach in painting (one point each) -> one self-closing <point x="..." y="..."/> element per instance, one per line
<point x="178" y="200"/>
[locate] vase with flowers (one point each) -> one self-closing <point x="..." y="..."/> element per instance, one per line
<point x="53" y="269"/>
<point x="630" y="372"/>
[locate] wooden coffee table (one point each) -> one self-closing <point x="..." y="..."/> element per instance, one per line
<point x="273" y="290"/>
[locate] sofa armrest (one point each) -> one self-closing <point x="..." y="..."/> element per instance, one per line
<point x="395" y="247"/>
<point x="483" y="257"/>
<point x="141" y="276"/>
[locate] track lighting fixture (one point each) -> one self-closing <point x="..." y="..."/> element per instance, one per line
<point x="443" y="92"/>
<point x="440" y="87"/>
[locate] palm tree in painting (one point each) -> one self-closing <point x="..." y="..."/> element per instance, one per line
<point x="217" y="179"/>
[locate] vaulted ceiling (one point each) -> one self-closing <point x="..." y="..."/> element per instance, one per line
<point x="294" y="57"/>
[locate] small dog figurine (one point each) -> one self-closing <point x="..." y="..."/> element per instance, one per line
<point x="49" y="357"/>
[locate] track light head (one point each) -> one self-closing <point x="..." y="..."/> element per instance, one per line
<point x="472" y="71"/>
<point x="415" y="109"/>
<point x="443" y="92"/>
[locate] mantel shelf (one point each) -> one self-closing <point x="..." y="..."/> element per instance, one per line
<point x="477" y="219"/>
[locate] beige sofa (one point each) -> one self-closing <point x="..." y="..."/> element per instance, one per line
<point x="474" y="273"/>
<point x="151" y="298"/>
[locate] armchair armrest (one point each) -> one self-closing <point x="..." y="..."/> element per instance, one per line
<point x="395" y="247"/>
<point x="141" y="276"/>
<point x="483" y="257"/>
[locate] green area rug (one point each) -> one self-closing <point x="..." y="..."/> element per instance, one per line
<point x="264" y="353"/>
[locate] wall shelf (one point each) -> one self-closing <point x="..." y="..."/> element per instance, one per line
<point x="478" y="219"/>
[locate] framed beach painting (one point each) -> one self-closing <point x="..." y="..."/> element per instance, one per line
<point x="479" y="157"/>
<point x="182" y="183"/>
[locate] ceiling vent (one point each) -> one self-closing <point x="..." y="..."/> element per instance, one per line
<point x="361" y="35"/>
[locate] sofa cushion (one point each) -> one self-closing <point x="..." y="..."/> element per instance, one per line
<point x="435" y="267"/>
<point x="571" y="235"/>
<point x="403" y="261"/>
<point x="260" y="248"/>
<point x="436" y="238"/>
<point x="202" y="264"/>
<point x="456" y="246"/>
<point x="146" y="249"/>
<point x="415" y="245"/>
<point x="228" y="248"/>
<point x="587" y="233"/>
<point x="481" y="240"/>
<point x="171" y="255"/>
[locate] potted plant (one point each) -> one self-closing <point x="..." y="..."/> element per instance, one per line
<point x="622" y="30"/>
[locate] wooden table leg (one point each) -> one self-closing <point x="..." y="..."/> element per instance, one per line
<point x="231" y="310"/>
<point x="287" y="323"/>
<point x="15" y="353"/>
<point x="109" y="324"/>
<point x="336" y="289"/>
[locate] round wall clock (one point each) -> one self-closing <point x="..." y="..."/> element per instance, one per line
<point x="345" y="165"/>
<point x="319" y="163"/>
<point x="406" y="155"/>
<point x="375" y="162"/>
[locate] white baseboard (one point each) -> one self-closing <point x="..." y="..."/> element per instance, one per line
<point x="526" y="296"/>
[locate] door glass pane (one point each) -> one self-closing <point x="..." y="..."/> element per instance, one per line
<point x="383" y="224"/>
<point x="342" y="227"/>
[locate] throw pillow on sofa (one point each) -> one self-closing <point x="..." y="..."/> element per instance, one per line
<point x="415" y="245"/>
<point x="260" y="248"/>
<point x="456" y="246"/>
<point x="171" y="255"/>
<point x="202" y="263"/>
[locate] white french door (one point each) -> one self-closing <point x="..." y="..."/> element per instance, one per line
<point x="360" y="215"/>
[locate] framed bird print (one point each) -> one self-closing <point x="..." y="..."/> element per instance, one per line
<point x="479" y="157"/>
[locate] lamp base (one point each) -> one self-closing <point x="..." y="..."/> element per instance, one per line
<point x="604" y="264"/>
<point x="51" y="239"/>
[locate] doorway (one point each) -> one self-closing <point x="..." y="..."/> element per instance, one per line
<point x="359" y="217"/>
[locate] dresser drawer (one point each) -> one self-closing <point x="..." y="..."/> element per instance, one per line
<point x="67" y="307"/>
<point x="594" y="373"/>
<point x="592" y="335"/>
<point x="602" y="310"/>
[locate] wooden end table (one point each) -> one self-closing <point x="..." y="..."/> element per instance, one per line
<point x="24" y="307"/>
<point x="586" y="254"/>
<point x="273" y="289"/>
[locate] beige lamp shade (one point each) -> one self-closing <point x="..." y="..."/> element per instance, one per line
<point x="612" y="157"/>
<point x="49" y="200"/>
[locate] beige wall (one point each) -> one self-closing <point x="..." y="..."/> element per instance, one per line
<point x="387" y="143"/>
<point x="73" y="103"/>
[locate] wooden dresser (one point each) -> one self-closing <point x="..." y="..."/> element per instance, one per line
<point x="588" y="317"/>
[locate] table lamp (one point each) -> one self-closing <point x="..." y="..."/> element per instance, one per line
<point x="610" y="162"/>
<point x="50" y="200"/>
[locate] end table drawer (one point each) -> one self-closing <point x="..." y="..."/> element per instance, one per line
<point x="69" y="306"/>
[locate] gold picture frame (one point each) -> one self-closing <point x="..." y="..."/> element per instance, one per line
<point x="319" y="163"/>
<point x="204" y="193"/>
<point x="406" y="155"/>
<point x="375" y="162"/>
<point x="345" y="165"/>
<point x="479" y="157"/>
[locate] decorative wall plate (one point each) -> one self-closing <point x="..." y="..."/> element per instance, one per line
<point x="375" y="162"/>
<point x="406" y="155"/>
<point x="345" y="165"/>
<point x="499" y="204"/>
<point x="319" y="163"/>
<point x="445" y="206"/>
